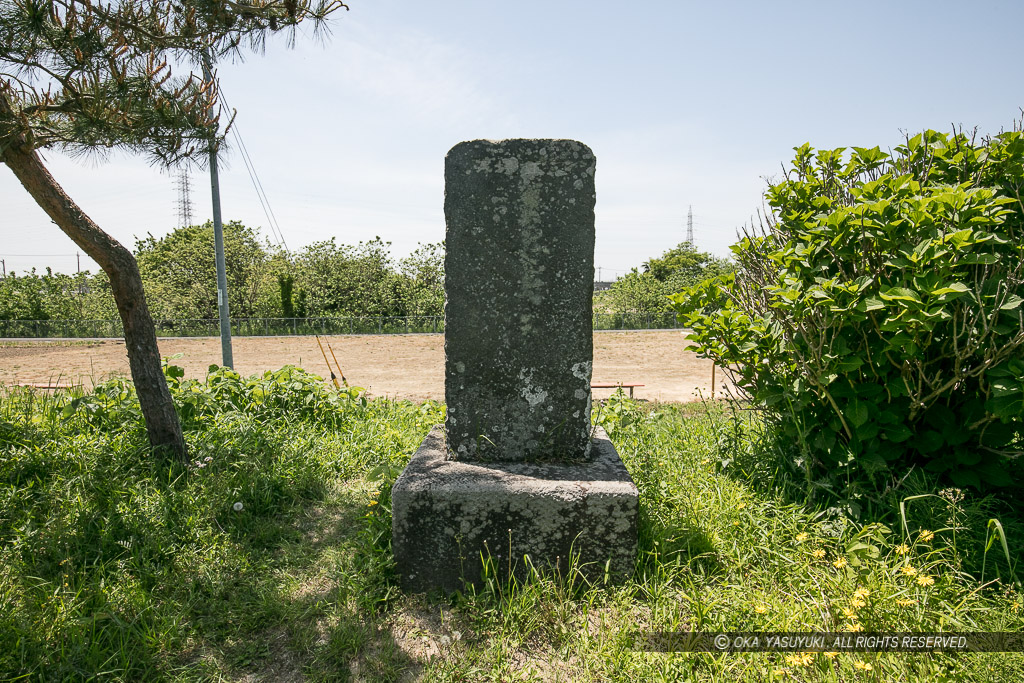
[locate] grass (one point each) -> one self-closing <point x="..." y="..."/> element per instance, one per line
<point x="115" y="566"/>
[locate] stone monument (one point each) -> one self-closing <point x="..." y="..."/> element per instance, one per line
<point x="517" y="470"/>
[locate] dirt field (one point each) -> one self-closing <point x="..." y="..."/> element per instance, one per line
<point x="400" y="366"/>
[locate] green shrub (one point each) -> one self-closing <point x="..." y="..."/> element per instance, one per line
<point x="877" y="310"/>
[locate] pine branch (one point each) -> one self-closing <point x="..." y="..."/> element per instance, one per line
<point x="83" y="76"/>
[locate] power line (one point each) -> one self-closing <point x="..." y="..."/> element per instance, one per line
<point x="261" y="195"/>
<point x="268" y="210"/>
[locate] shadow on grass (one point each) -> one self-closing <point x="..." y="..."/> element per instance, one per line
<point x="317" y="609"/>
<point x="678" y="540"/>
<point x="300" y="593"/>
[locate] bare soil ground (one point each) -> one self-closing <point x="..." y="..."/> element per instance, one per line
<point x="399" y="366"/>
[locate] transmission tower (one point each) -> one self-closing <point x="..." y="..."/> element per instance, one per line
<point x="689" y="226"/>
<point x="184" y="187"/>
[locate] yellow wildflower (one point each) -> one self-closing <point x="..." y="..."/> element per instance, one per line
<point x="849" y="614"/>
<point x="926" y="535"/>
<point x="799" y="659"/>
<point x="853" y="627"/>
<point x="902" y="602"/>
<point x="371" y="503"/>
<point x="908" y="570"/>
<point x="831" y="655"/>
<point x="781" y="671"/>
<point x="761" y="609"/>
<point x="925" y="580"/>
<point x="902" y="549"/>
<point x="862" y="592"/>
<point x="1016" y="605"/>
<point x="840" y="563"/>
<point x="862" y="666"/>
<point x="857" y="601"/>
<point x="819" y="554"/>
<point x="802" y="536"/>
<point x="741" y="506"/>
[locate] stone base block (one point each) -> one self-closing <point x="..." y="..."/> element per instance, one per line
<point x="446" y="514"/>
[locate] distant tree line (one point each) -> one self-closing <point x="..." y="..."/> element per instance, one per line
<point x="179" y="276"/>
<point x="324" y="279"/>
<point x="646" y="292"/>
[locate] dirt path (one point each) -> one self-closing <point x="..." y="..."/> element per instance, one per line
<point x="401" y="366"/>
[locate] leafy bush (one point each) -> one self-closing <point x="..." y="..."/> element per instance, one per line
<point x="877" y="311"/>
<point x="290" y="393"/>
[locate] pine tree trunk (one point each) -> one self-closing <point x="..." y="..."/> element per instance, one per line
<point x="162" y="424"/>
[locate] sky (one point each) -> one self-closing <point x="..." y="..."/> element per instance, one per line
<point x="683" y="103"/>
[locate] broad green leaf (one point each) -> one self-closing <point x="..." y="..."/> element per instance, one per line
<point x="950" y="288"/>
<point x="900" y="294"/>
<point x="871" y="304"/>
<point x="929" y="441"/>
<point x="1013" y="302"/>
<point x="979" y="259"/>
<point x="857" y="413"/>
<point x="849" y="363"/>
<point x="965" y="478"/>
<point x="960" y="237"/>
<point x="868" y="430"/>
<point x="1003" y="388"/>
<point x="899" y="433"/>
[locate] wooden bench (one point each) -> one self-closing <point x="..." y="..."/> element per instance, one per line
<point x="617" y="385"/>
<point x="35" y="385"/>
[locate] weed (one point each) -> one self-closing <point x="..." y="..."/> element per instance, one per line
<point x="112" y="566"/>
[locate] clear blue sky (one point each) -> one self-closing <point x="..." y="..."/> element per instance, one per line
<point x="684" y="103"/>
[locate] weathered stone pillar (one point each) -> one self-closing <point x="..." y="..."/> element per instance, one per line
<point x="517" y="471"/>
<point x="519" y="274"/>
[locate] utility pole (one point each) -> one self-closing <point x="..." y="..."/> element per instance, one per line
<point x="3" y="263"/>
<point x="689" y="226"/>
<point x="218" y="238"/>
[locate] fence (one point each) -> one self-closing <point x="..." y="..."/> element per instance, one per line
<point x="267" y="327"/>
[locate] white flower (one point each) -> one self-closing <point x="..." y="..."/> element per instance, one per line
<point x="208" y="458"/>
<point x="238" y="506"/>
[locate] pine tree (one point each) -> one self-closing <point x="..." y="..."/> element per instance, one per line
<point x="80" y="76"/>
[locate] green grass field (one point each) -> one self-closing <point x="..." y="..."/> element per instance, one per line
<point x="268" y="556"/>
